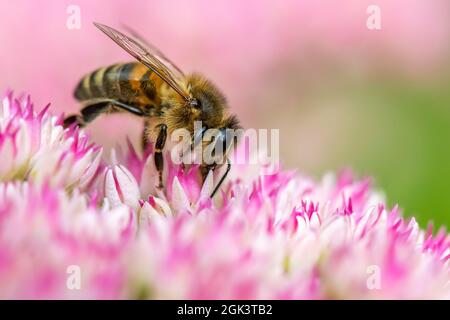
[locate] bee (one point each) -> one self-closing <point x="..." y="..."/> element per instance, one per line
<point x="154" y="88"/>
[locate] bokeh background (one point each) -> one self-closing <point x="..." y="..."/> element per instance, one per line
<point x="343" y="96"/>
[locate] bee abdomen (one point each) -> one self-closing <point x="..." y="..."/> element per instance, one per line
<point x="98" y="84"/>
<point x="129" y="82"/>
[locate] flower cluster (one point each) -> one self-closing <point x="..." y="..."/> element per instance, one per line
<point x="34" y="146"/>
<point x="65" y="212"/>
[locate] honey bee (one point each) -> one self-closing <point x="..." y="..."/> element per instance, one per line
<point x="157" y="90"/>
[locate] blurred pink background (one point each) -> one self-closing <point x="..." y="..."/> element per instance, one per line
<point x="234" y="41"/>
<point x="249" y="48"/>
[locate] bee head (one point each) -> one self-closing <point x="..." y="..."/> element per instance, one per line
<point x="207" y="100"/>
<point x="217" y="142"/>
<point x="207" y="104"/>
<point x="209" y="107"/>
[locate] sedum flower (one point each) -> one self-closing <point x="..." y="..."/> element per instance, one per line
<point x="265" y="236"/>
<point x="283" y="236"/>
<point x="34" y="146"/>
<point x="44" y="232"/>
<point x="120" y="187"/>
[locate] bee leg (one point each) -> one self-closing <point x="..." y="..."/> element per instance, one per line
<point x="87" y="114"/>
<point x="95" y="108"/>
<point x="222" y="179"/>
<point x="73" y="119"/>
<point x="159" y="146"/>
<point x="204" y="170"/>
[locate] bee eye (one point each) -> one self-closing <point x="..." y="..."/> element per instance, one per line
<point x="195" y="103"/>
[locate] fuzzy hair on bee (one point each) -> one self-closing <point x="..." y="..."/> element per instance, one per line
<point x="211" y="107"/>
<point x="156" y="89"/>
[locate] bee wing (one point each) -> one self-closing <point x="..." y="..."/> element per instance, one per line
<point x="148" y="57"/>
<point x="155" y="51"/>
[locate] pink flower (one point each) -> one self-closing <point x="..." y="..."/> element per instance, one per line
<point x="277" y="236"/>
<point x="34" y="146"/>
<point x="120" y="187"/>
<point x="45" y="231"/>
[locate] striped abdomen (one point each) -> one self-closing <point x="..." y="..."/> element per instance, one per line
<point x="130" y="83"/>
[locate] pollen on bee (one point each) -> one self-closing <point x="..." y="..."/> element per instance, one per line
<point x="195" y="112"/>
